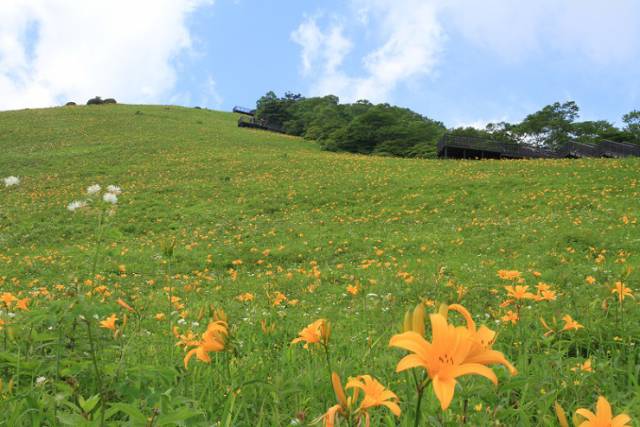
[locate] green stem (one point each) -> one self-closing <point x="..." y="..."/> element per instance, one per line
<point x="326" y="354"/>
<point x="97" y="372"/>
<point x="96" y="254"/>
<point x="418" y="405"/>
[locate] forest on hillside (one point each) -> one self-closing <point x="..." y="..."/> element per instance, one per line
<point x="384" y="129"/>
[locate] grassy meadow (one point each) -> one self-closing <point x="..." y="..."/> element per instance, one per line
<point x="265" y="234"/>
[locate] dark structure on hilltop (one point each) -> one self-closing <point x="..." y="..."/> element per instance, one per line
<point x="248" y="120"/>
<point x="99" y="101"/>
<point x="465" y="147"/>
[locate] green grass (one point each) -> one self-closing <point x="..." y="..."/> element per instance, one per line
<point x="305" y="223"/>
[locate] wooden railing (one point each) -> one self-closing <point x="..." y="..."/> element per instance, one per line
<point x="471" y="146"/>
<point x="254" y="123"/>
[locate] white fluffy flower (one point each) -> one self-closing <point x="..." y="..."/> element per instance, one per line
<point x="110" y="198"/>
<point x="114" y="189"/>
<point x="93" y="189"/>
<point x="11" y="180"/>
<point x="41" y="380"/>
<point x="75" y="205"/>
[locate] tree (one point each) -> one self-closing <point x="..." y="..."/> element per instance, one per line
<point x="592" y="131"/>
<point x="632" y="121"/>
<point x="549" y="127"/>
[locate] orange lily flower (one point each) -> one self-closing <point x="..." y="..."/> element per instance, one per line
<point x="508" y="274"/>
<point x="124" y="305"/>
<point x="317" y="332"/>
<point x="23" y="304"/>
<point x="603" y="416"/>
<point x="483" y="339"/>
<point x="444" y="358"/>
<point x="622" y="291"/>
<point x="353" y="290"/>
<point x="375" y="394"/>
<point x="519" y="292"/>
<point x="7" y="298"/>
<point x="510" y="317"/>
<point x="109" y="323"/>
<point x="212" y="341"/>
<point x="569" y="323"/>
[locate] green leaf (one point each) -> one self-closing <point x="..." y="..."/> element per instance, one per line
<point x="135" y="415"/>
<point x="177" y="416"/>
<point x="88" y="405"/>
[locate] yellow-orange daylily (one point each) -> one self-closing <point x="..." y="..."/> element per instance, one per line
<point x="317" y="332"/>
<point x="7" y="298"/>
<point x="109" y="323"/>
<point x="622" y="291"/>
<point x="23" y="304"/>
<point x="444" y="358"/>
<point x="212" y="341"/>
<point x="603" y="416"/>
<point x="508" y="274"/>
<point x="519" y="292"/>
<point x="375" y="394"/>
<point x="124" y="305"/>
<point x="569" y="323"/>
<point x="482" y="339"/>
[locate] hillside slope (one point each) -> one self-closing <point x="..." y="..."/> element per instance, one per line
<point x="274" y="217"/>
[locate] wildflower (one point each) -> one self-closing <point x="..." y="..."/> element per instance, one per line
<point x="510" y="317"/>
<point x="569" y="323"/>
<point x="545" y="293"/>
<point x="603" y="416"/>
<point x="7" y="298"/>
<point x="11" y="181"/>
<point x="279" y="298"/>
<point x="317" y="332"/>
<point x="124" y="305"/>
<point x="483" y="339"/>
<point x="212" y="341"/>
<point x="375" y="394"/>
<point x="23" y="304"/>
<point x="508" y="274"/>
<point x="519" y="292"/>
<point x="160" y="316"/>
<point x="114" y="189"/>
<point x="245" y="297"/>
<point x="41" y="380"/>
<point x="584" y="367"/>
<point x="444" y="358"/>
<point x="75" y="205"/>
<point x="590" y="280"/>
<point x="93" y="189"/>
<point x="353" y="290"/>
<point x="622" y="291"/>
<point x="109" y="323"/>
<point x="110" y="198"/>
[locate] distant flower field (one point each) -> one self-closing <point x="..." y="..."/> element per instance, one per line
<point x="161" y="267"/>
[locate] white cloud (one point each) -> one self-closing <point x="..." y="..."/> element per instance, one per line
<point x="327" y="48"/>
<point x="413" y="33"/>
<point x="600" y="31"/>
<point x="411" y="40"/>
<point x="57" y="50"/>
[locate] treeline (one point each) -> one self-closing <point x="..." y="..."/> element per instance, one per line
<point x="383" y="129"/>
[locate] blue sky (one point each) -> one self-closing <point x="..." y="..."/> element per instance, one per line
<point x="463" y="62"/>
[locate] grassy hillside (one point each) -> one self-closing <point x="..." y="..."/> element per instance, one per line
<point x="269" y="228"/>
